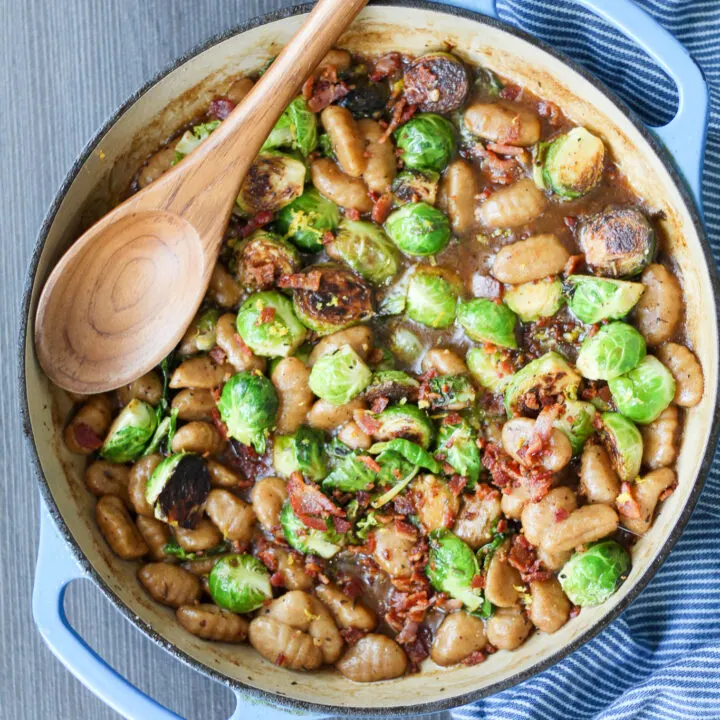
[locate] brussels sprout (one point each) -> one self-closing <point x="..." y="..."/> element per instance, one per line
<point x="419" y="229"/>
<point x="239" y="583"/>
<point x="263" y="258"/>
<point x="457" y="442"/>
<point x="366" y="248"/>
<point x="351" y="475"/>
<point x="591" y="577"/>
<point x="307" y="219"/>
<point x="617" y="242"/>
<point x="546" y="376"/>
<point x="448" y="392"/>
<point x="328" y="298"/>
<point x="533" y="300"/>
<point x="403" y="421"/>
<point x="193" y="138"/>
<point x="613" y="350"/>
<point x="437" y="83"/>
<point x="303" y="451"/>
<point x="432" y="296"/>
<point x="485" y="321"/>
<point x="577" y="423"/>
<point x="624" y="444"/>
<point x="644" y="392"/>
<point x="397" y="472"/>
<point x="412" y="452"/>
<point x="130" y="432"/>
<point x="178" y="488"/>
<point x="273" y="181"/>
<point x="366" y="99"/>
<point x="177" y="551"/>
<point x="267" y="324"/>
<point x="415" y="186"/>
<point x="573" y="163"/>
<point x="248" y="406"/>
<point x="451" y="568"/>
<point x="200" y="336"/>
<point x="296" y="129"/>
<point x="308" y="540"/>
<point x="426" y="142"/>
<point x="405" y="345"/>
<point x="492" y="370"/>
<point x="339" y="376"/>
<point x="594" y="299"/>
<point x="394" y="385"/>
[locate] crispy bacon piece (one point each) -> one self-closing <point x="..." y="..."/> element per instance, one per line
<point x="627" y="504"/>
<point x="402" y="111"/>
<point x="352" y="634"/>
<point x="570" y="222"/>
<point x="550" y="111"/>
<point x="511" y="92"/>
<point x="404" y="505"/>
<point x="388" y="66"/>
<point x="379" y="404"/>
<point x="541" y="433"/>
<point x="86" y="437"/>
<point x="503" y="469"/>
<point x="324" y="89"/>
<point x="381" y="208"/>
<point x="218" y="355"/>
<point x="302" y="281"/>
<point x="267" y="315"/>
<point x="312" y="506"/>
<point x="457" y="484"/>
<point x="255" y="222"/>
<point x="367" y="423"/>
<point x="327" y="237"/>
<point x="218" y="423"/>
<point x="561" y="514"/>
<point x="277" y="579"/>
<point x="573" y="264"/>
<point x="522" y="555"/>
<point x="475" y="658"/>
<point x="220" y="108"/>
<point x="369" y="462"/>
<point x="352" y="213"/>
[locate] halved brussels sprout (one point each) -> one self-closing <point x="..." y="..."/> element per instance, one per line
<point x="432" y="296"/>
<point x="239" y="583"/>
<point x="437" y="82"/>
<point x="448" y="392"/>
<point x="419" y="229"/>
<point x="351" y="475"/>
<point x="273" y="181"/>
<point x="328" y="298"/>
<point x="576" y="422"/>
<point x="303" y="451"/>
<point x="545" y="377"/>
<point x="486" y="321"/>
<point x="594" y="299"/>
<point x="613" y="350"/>
<point x="644" y="392"/>
<point x="248" y="406"/>
<point x="405" y="345"/>
<point x="624" y="444"/>
<point x="296" y="129"/>
<point x="458" y="443"/>
<point x="307" y="540"/>
<point x="426" y="142"/>
<point x="193" y="138"/>
<point x="130" y="432"/>
<point x="391" y="300"/>
<point x="178" y="488"/>
<point x="452" y="567"/>
<point x="394" y="385"/>
<point x="267" y="324"/>
<point x="492" y="370"/>
<point x="402" y="421"/>
<point x="617" y="242"/>
<point x="339" y="376"/>
<point x="533" y="300"/>
<point x="307" y="219"/>
<point x="366" y="248"/>
<point x="200" y="336"/>
<point x="412" y="186"/>
<point x="263" y="258"/>
<point x="573" y="163"/>
<point x="592" y="576"/>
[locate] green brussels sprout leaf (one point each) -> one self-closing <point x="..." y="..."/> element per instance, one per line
<point x="303" y="451"/>
<point x="591" y="577"/>
<point x="486" y="321"/>
<point x="574" y="163"/>
<point x="613" y="350"/>
<point x="492" y="370"/>
<point x="340" y="376"/>
<point x="595" y="299"/>
<point x="576" y="422"/>
<point x="644" y="392"/>
<point x="307" y="219"/>
<point x="451" y="568"/>
<point x="130" y="432"/>
<point x="296" y="129"/>
<point x="366" y="248"/>
<point x="239" y="583"/>
<point x="624" y="444"/>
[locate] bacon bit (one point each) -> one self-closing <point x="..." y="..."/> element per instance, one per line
<point x="324" y="89"/>
<point x="244" y="458"/>
<point x="405" y="528"/>
<point x="313" y="566"/>
<point x="574" y="611"/>
<point x="497" y="165"/>
<point x="351" y="635"/>
<point x="501" y="466"/>
<point x="573" y="264"/>
<point x="408" y="633"/>
<point x="302" y="281"/>
<point x="86" y="437"/>
<point x="478" y="582"/>
<point x="626" y="502"/>
<point x="388" y="66"/>
<point x="255" y="222"/>
<point x="561" y="514"/>
<point x="665" y="494"/>
<point x="369" y="462"/>
<point x="218" y="355"/>
<point x="368" y="424"/>
<point x="267" y="315"/>
<point x="280" y="659"/>
<point x="401" y="113"/>
<point x="541" y="433"/>
<point x="419" y="649"/>
<point x="502" y="525"/>
<point x="483" y="491"/>
<point x="220" y="426"/>
<point x="511" y="92"/>
<point x="381" y="208"/>
<point x="352" y="213"/>
<point x="379" y="404"/>
<point x="244" y="349"/>
<point x="500" y="149"/>
<point x="220" y="108"/>
<point x="551" y="111"/>
<point x="537" y="576"/>
<point x="277" y="580"/>
<point x="452" y="418"/>
<point x="327" y="238"/>
<point x="310" y="504"/>
<point x="350" y="585"/>
<point x="263" y="274"/>
<point x="475" y="658"/>
<point x="457" y="484"/>
<point x="485" y="194"/>
<point x="404" y="505"/>
<point x="570" y="222"/>
<point x="522" y="555"/>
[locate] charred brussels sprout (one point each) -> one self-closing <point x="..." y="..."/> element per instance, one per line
<point x="613" y="350"/>
<point x="394" y="385"/>
<point x="239" y="583"/>
<point x="303" y="451"/>
<point x="457" y="443"/>
<point x="486" y="321"/>
<point x="534" y="300"/>
<point x="491" y="370"/>
<point x="366" y="98"/>
<point x="339" y="376"/>
<point x="248" y="406"/>
<point x="437" y="83"/>
<point x="448" y="392"/>
<point x="328" y="298"/>
<point x="644" y="392"/>
<point x="366" y="248"/>
<point x="419" y="229"/>
<point x="594" y="299"/>
<point x="545" y="377"/>
<point x="405" y="345"/>
<point x="307" y="540"/>
<point x="178" y="488"/>
<point x="427" y="142"/>
<point x="577" y="422"/>
<point x="416" y="186"/>
<point x="618" y="242"/>
<point x="591" y="577"/>
<point x="432" y="296"/>
<point x="296" y="129"/>
<point x="573" y="163"/>
<point x="452" y="567"/>
<point x="406" y="421"/>
<point x="263" y="258"/>
<point x="307" y="219"/>
<point x="193" y="138"/>
<point x="267" y="324"/>
<point x="273" y="181"/>
<point x="624" y="444"/>
<point x="130" y="432"/>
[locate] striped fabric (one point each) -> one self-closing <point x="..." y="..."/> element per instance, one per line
<point x="661" y="658"/>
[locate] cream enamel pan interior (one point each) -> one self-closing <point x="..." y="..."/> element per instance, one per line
<point x="105" y="172"/>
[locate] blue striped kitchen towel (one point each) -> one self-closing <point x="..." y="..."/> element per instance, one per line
<point x="661" y="658"/>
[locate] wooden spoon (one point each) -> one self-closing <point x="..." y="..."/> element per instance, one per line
<point x="122" y="296"/>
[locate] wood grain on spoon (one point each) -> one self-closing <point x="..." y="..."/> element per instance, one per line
<point x="122" y="296"/>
